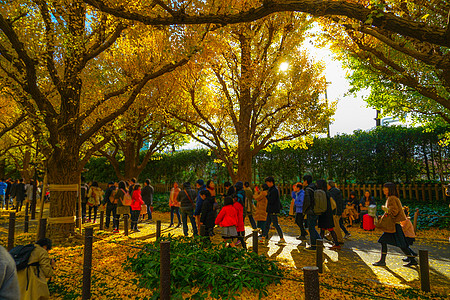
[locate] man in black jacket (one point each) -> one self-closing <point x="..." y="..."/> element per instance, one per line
<point x="336" y="194"/>
<point x="147" y="196"/>
<point x="110" y="206"/>
<point x="308" y="209"/>
<point x="186" y="197"/>
<point x="20" y="194"/>
<point x="273" y="209"/>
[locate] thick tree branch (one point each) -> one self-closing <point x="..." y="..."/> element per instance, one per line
<point x="418" y="30"/>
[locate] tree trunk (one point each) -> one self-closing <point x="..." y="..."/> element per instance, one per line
<point x="244" y="164"/>
<point x="63" y="168"/>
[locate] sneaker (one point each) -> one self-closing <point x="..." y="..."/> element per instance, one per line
<point x="301" y="237"/>
<point x="406" y="259"/>
<point x="171" y="224"/>
<point x="262" y="240"/>
<point x="136" y="230"/>
<point x="179" y="224"/>
<point x="281" y="242"/>
<point x="116" y="231"/>
<point x="412" y="262"/>
<point x="347" y="236"/>
<point x="379" y="264"/>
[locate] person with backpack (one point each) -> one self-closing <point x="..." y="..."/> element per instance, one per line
<point x="9" y="284"/>
<point x="39" y="268"/>
<point x="336" y="194"/>
<point x="308" y="209"/>
<point x="326" y="221"/>
<point x="20" y="194"/>
<point x="261" y="206"/>
<point x="186" y="198"/>
<point x="273" y="209"/>
<point x="121" y="208"/>
<point x="109" y="201"/>
<point x="174" y="204"/>
<point x="94" y="198"/>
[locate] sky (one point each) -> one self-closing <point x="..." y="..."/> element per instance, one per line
<point x="352" y="112"/>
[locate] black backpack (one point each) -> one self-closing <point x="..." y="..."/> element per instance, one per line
<point x="21" y="255"/>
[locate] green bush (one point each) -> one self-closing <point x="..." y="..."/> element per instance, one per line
<point x="188" y="269"/>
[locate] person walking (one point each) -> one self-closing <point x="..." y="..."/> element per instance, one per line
<point x="273" y="209"/>
<point x="20" y="194"/>
<point x="325" y="220"/>
<point x="136" y="204"/>
<point x="390" y="224"/>
<point x="187" y="205"/>
<point x="336" y="194"/>
<point x="33" y="279"/>
<point x="147" y="196"/>
<point x="308" y="209"/>
<point x="299" y="197"/>
<point x="174" y="204"/>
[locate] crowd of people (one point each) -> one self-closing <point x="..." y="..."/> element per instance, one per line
<point x="16" y="192"/>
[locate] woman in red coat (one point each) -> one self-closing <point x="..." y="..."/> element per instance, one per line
<point x="136" y="204"/>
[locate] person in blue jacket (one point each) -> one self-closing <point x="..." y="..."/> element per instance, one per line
<point x="299" y="196"/>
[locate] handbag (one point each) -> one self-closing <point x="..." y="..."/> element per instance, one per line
<point x="386" y="224"/>
<point x="143" y="209"/>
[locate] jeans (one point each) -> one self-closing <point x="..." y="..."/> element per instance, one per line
<point x="2" y="199"/>
<point x="272" y="218"/>
<point x="134" y="219"/>
<point x="313" y="234"/>
<point x="95" y="212"/>
<point x="110" y="209"/>
<point x="251" y="219"/>
<point x="299" y="220"/>
<point x="175" y="209"/>
<point x="185" y="213"/>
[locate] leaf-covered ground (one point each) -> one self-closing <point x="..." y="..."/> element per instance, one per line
<point x="348" y="273"/>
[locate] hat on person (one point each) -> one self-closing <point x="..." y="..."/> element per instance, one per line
<point x="200" y="182"/>
<point x="187" y="185"/>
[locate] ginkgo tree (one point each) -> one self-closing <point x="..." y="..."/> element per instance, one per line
<point x="235" y="100"/>
<point x="50" y="59"/>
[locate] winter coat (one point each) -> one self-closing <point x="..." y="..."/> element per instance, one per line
<point x="208" y="215"/>
<point x="249" y="207"/>
<point x="273" y="201"/>
<point x="227" y="216"/>
<point x="299" y="197"/>
<point x="95" y="196"/>
<point x="9" y="286"/>
<point x="184" y="199"/>
<point x="37" y="276"/>
<point x="336" y="194"/>
<point x="20" y="192"/>
<point x="326" y="219"/>
<point x="108" y="193"/>
<point x="395" y="211"/>
<point x="363" y="202"/>
<point x="199" y="201"/>
<point x="308" y="202"/>
<point x="240" y="216"/>
<point x="173" y="197"/>
<point x="147" y="194"/>
<point x="121" y="209"/>
<point x="137" y="201"/>
<point x="261" y="205"/>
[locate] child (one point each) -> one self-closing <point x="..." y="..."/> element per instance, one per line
<point x="240" y="214"/>
<point x="136" y="204"/>
<point x="408" y="230"/>
<point x="227" y="219"/>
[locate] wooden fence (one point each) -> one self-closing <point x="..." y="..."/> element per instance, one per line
<point x="418" y="192"/>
